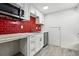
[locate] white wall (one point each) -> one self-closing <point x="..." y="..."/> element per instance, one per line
<point x="69" y="22"/>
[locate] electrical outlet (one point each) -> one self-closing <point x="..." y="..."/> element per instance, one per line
<point x="36" y="27"/>
<point x="21" y="26"/>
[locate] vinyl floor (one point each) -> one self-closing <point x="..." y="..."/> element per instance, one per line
<point x="56" y="51"/>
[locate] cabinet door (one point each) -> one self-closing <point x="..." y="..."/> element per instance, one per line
<point x="37" y="13"/>
<point x="32" y="45"/>
<point x="42" y="40"/>
<point x="39" y="42"/>
<point x="32" y="10"/>
<point x="26" y="12"/>
<point x="35" y="44"/>
<point x="40" y="19"/>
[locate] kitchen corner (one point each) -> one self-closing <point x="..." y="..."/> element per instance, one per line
<point x="24" y="30"/>
<point x="39" y="29"/>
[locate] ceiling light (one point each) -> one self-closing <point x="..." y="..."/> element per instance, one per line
<point x="45" y="7"/>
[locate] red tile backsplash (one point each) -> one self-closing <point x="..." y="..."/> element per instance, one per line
<point x="26" y="26"/>
<point x="8" y="26"/>
<point x="38" y="27"/>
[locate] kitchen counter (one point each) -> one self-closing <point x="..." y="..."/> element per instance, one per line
<point x="21" y="37"/>
<point x="12" y="37"/>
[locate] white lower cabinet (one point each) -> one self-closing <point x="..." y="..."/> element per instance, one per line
<point x="39" y="43"/>
<point x="36" y="43"/>
<point x="31" y="45"/>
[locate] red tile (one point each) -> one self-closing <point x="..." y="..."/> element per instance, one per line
<point x="8" y="26"/>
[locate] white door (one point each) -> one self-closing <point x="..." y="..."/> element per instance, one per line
<point x="55" y="36"/>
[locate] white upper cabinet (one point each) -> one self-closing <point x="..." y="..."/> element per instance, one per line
<point x="32" y="10"/>
<point x="26" y="12"/>
<point x="39" y="16"/>
<point x="29" y="10"/>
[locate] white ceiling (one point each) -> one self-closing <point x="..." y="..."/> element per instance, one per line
<point x="53" y="7"/>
